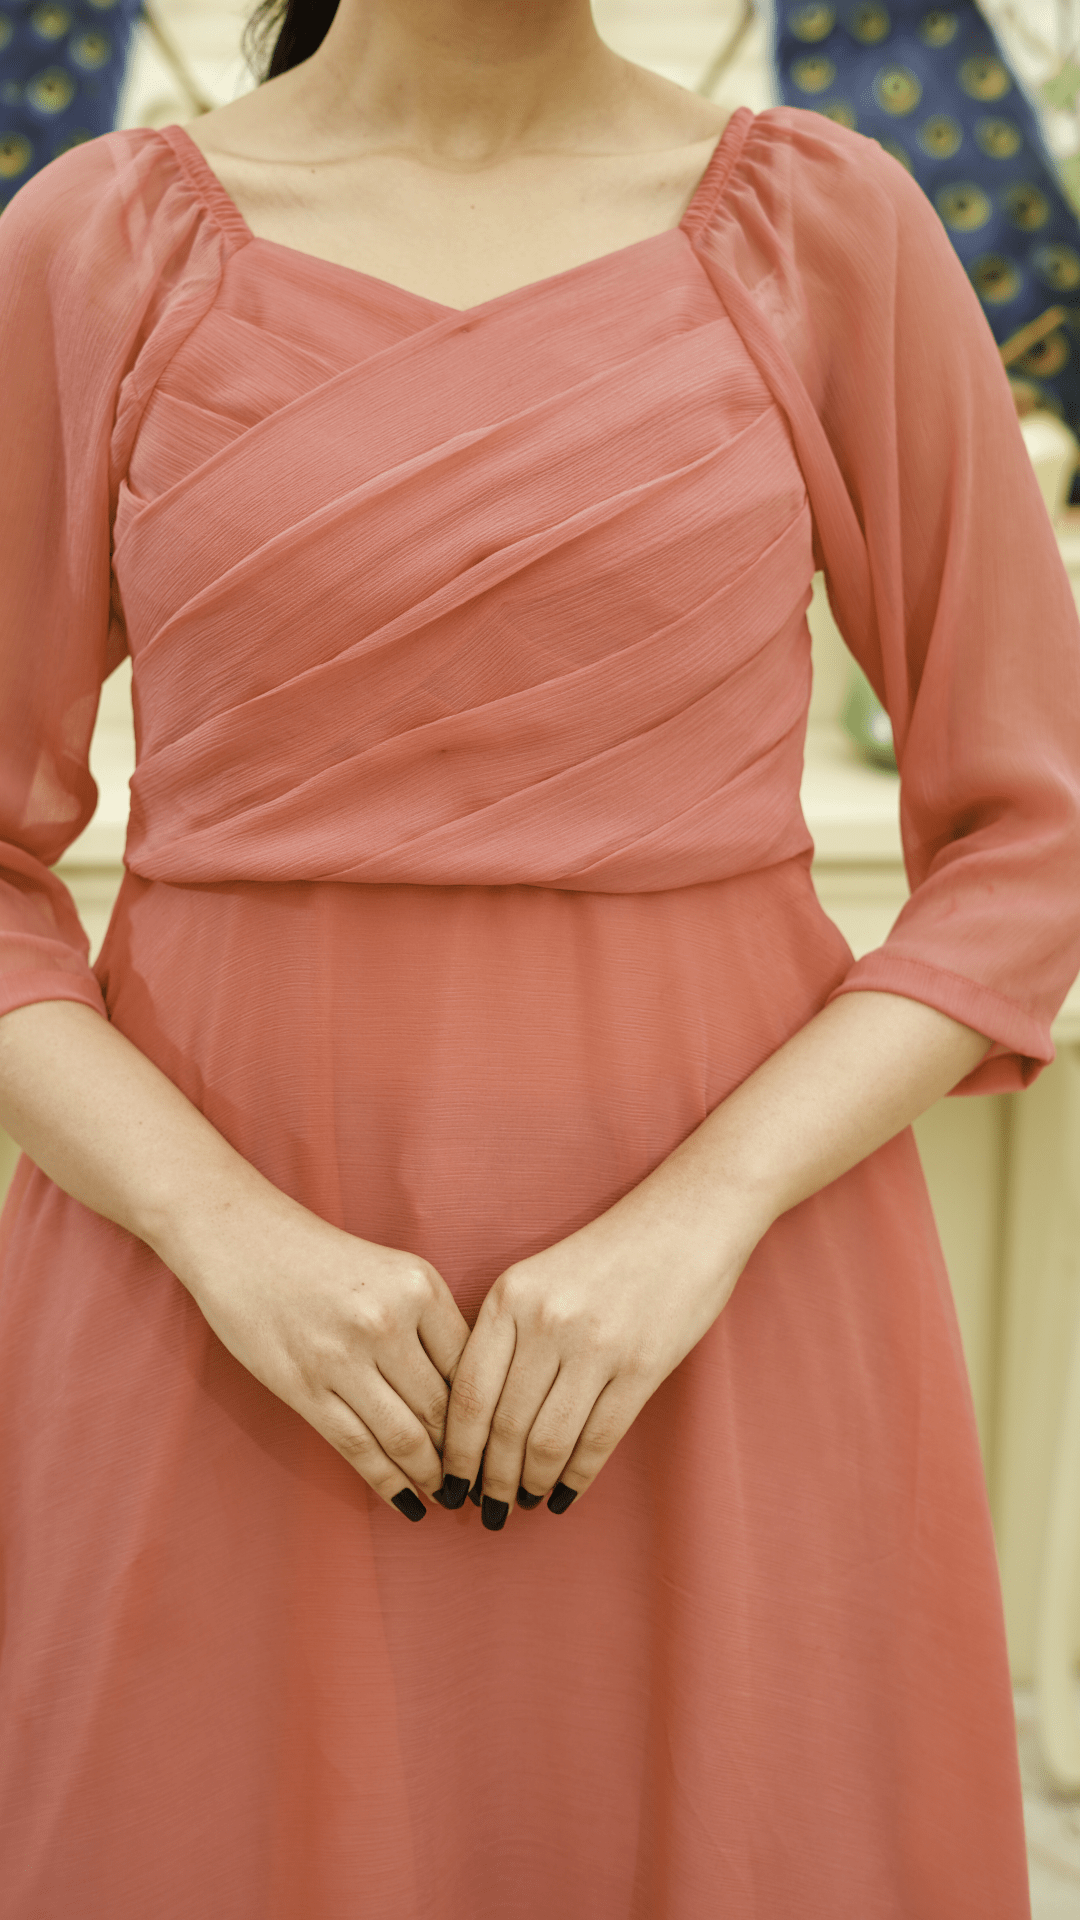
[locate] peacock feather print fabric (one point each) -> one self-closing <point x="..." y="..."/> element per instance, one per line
<point x="936" y="88"/>
<point x="62" y="65"/>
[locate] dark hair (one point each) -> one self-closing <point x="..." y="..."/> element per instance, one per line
<point x="281" y="33"/>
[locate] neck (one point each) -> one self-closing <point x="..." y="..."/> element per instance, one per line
<point x="465" y="82"/>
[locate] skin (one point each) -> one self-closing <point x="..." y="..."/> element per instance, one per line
<point x="461" y="148"/>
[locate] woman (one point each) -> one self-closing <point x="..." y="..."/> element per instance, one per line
<point x="468" y="410"/>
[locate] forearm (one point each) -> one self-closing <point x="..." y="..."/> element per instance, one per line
<point x="326" y="1321"/>
<point x="856" y="1075"/>
<point x="114" y="1132"/>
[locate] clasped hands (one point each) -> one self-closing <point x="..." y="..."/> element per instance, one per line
<point x="570" y="1344"/>
<point x="372" y="1350"/>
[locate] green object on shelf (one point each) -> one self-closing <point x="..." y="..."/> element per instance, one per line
<point x="867" y="722"/>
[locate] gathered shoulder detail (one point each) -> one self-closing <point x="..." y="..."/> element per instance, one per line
<point x="125" y="257"/>
<point x="809" y="206"/>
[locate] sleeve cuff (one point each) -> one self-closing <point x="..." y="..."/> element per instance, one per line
<point x="1022" y="1045"/>
<point x="25" y="989"/>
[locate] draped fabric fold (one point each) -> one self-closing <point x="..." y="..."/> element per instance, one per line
<point x="437" y="710"/>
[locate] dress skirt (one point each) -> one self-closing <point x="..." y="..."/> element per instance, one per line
<point x="747" y="1674"/>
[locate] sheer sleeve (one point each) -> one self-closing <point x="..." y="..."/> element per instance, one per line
<point x="94" y="250"/>
<point x="942" y="566"/>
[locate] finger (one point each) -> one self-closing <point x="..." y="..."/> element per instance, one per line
<point x="356" y="1443"/>
<point x="394" y="1426"/>
<point x="557" y="1428"/>
<point x="442" y="1328"/>
<point x="613" y="1413"/>
<point x="527" y="1385"/>
<point x="478" y="1382"/>
<point x="410" y="1374"/>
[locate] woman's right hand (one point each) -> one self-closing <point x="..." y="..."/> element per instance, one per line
<point x="360" y="1339"/>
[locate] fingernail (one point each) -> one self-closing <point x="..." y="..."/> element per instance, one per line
<point x="493" y="1514"/>
<point x="528" y="1500"/>
<point x="562" y="1497"/>
<point x="407" y="1503"/>
<point x="475" y="1490"/>
<point x="452" y="1492"/>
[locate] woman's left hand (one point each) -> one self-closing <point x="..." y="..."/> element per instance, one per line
<point x="571" y="1342"/>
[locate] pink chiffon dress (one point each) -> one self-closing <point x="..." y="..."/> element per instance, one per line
<point x="465" y="874"/>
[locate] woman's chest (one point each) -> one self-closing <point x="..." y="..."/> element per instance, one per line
<point x="589" y="456"/>
<point x="512" y="591"/>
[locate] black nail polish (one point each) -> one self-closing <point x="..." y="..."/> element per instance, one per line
<point x="493" y="1514"/>
<point x="475" y="1493"/>
<point x="452" y="1492"/>
<point x="562" y="1497"/>
<point x="407" y="1503"/>
<point x="528" y="1500"/>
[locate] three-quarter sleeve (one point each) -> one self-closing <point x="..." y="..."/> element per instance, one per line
<point x="83" y="246"/>
<point x="942" y="567"/>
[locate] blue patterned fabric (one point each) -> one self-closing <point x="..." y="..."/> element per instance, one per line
<point x="62" y="65"/>
<point x="933" y="85"/>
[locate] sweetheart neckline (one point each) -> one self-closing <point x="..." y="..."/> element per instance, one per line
<point x="216" y="198"/>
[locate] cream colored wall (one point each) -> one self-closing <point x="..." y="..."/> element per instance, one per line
<point x="683" y="39"/>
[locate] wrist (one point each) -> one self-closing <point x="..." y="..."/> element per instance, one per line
<point x="206" y="1218"/>
<point x="700" y="1202"/>
<point x="738" y="1169"/>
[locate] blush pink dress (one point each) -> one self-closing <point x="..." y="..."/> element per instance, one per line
<point x="465" y="874"/>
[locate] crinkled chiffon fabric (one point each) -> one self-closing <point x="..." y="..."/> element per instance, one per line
<point x="465" y="874"/>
